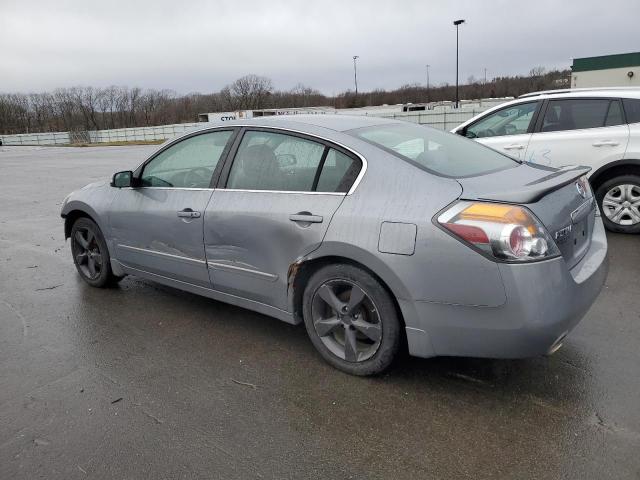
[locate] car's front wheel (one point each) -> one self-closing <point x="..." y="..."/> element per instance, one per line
<point x="90" y="254"/>
<point x="351" y="319"/>
<point x="619" y="201"/>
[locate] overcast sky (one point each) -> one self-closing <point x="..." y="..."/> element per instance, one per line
<point x="194" y="45"/>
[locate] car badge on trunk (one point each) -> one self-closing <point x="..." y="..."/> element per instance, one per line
<point x="563" y="234"/>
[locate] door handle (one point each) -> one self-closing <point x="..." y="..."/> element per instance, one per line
<point x="515" y="146"/>
<point x="603" y="143"/>
<point x="188" y="213"/>
<point x="305" y="218"/>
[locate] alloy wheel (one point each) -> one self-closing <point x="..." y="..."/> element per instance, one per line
<point x="621" y="204"/>
<point x="346" y="320"/>
<point x="87" y="253"/>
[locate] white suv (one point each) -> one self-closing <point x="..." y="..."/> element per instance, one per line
<point x="599" y="128"/>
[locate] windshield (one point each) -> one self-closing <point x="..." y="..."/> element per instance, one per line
<point x="438" y="152"/>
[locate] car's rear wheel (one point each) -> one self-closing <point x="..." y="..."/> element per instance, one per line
<point x="351" y="319"/>
<point x="90" y="254"/>
<point x="619" y="202"/>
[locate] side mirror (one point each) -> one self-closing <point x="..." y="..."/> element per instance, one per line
<point x="122" y="179"/>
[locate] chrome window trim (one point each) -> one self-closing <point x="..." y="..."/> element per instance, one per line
<point x="162" y="254"/>
<point x="174" y="188"/>
<point x="355" y="184"/>
<point x="168" y="188"/>
<point x="341" y="194"/>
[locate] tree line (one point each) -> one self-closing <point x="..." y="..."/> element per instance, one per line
<point x="90" y="108"/>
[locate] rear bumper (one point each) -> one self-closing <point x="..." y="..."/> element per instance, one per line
<point x="545" y="301"/>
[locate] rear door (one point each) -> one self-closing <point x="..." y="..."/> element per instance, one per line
<point x="507" y="130"/>
<point x="579" y="131"/>
<point x="274" y="205"/>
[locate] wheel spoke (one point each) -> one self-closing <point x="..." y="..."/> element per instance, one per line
<point x="634" y="213"/>
<point x="617" y="215"/>
<point x="97" y="258"/>
<point x="81" y="240"/>
<point x="90" y="237"/>
<point x="371" y="330"/>
<point x="326" y="326"/>
<point x="81" y="258"/>
<point x="350" y="345"/>
<point x="91" y="264"/>
<point x="611" y="213"/>
<point x="624" y="192"/>
<point x="357" y="295"/>
<point x="328" y="295"/>
<point x="610" y="202"/>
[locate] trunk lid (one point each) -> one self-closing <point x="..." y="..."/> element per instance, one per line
<point x="551" y="194"/>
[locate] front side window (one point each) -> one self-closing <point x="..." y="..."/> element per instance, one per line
<point x="187" y="164"/>
<point x="513" y="120"/>
<point x="438" y="152"/>
<point x="632" y="109"/>
<point x="281" y="162"/>
<point x="576" y="114"/>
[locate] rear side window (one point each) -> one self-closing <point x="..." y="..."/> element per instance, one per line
<point x="280" y="162"/>
<point x="339" y="171"/>
<point x="435" y="151"/>
<point x="576" y="114"/>
<point x="632" y="109"/>
<point x="614" y="115"/>
<point x="273" y="161"/>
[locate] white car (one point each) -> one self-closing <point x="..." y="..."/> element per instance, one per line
<point x="599" y="128"/>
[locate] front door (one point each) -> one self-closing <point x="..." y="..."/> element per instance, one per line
<point x="281" y="193"/>
<point x="157" y="227"/>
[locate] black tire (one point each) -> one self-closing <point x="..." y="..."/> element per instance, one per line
<point x="88" y="246"/>
<point x="612" y="185"/>
<point x="376" y="314"/>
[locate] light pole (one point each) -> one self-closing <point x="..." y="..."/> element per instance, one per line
<point x="457" y="23"/>
<point x="428" y="96"/>
<point x="355" y="72"/>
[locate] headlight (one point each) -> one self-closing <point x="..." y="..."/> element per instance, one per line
<point x="501" y="231"/>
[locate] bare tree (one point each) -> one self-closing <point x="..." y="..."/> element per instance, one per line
<point x="89" y="108"/>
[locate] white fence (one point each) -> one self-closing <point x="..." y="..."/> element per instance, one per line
<point x="443" y="120"/>
<point x="51" y="138"/>
<point x="101" y="136"/>
<point x="142" y="133"/>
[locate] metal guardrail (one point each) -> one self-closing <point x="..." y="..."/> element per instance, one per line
<point x="443" y="120"/>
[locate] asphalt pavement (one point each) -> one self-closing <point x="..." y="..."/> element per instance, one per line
<point x="144" y="381"/>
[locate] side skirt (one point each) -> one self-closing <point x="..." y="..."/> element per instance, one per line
<point x="214" y="294"/>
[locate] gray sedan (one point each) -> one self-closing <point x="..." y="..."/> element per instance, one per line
<point x="374" y="233"/>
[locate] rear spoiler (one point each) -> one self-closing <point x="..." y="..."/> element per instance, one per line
<point x="535" y="190"/>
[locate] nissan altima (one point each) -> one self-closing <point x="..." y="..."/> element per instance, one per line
<point x="373" y="233"/>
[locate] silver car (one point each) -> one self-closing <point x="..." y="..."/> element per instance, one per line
<point x="370" y="231"/>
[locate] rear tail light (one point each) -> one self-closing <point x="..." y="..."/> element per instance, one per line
<point x="503" y="232"/>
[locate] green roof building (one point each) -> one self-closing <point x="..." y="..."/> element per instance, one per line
<point x="621" y="70"/>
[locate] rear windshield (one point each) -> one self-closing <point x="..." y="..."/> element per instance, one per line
<point x="438" y="152"/>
